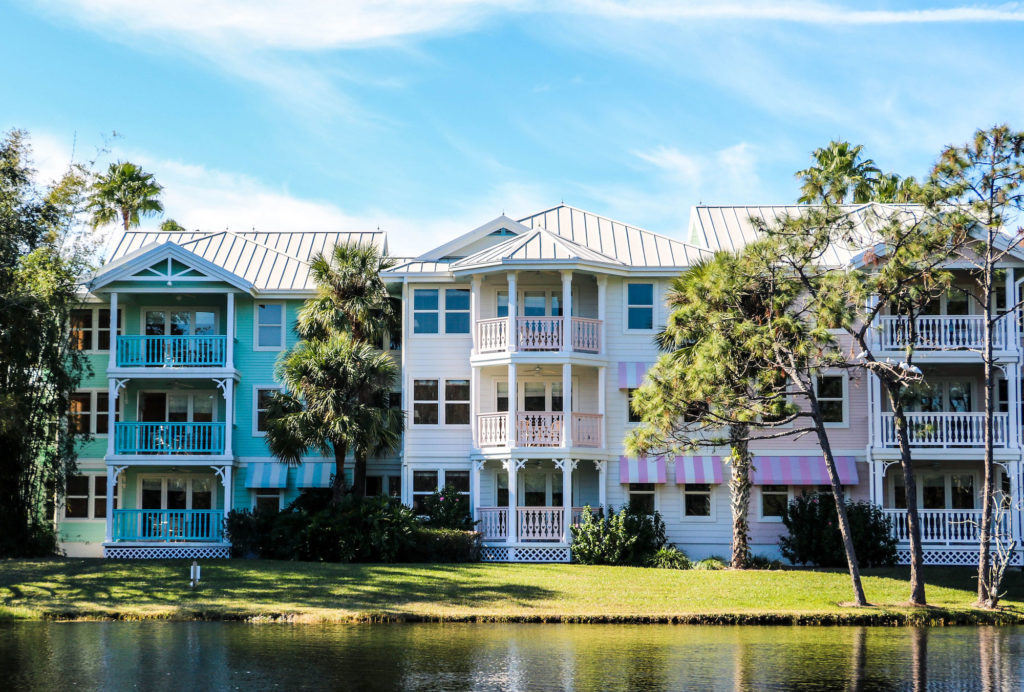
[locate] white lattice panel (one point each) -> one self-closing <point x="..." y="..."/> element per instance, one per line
<point x="949" y="557"/>
<point x="492" y="553"/>
<point x="169" y="552"/>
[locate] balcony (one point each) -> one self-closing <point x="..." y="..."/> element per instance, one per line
<point x="532" y="523"/>
<point x="169" y="438"/>
<point x="940" y="332"/>
<point x="946" y="526"/>
<point x="539" y="334"/>
<point x="168" y="525"/>
<point x="946" y="430"/>
<point x="539" y="429"/>
<point x="171" y="351"/>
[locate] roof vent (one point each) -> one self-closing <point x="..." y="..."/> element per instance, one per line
<point x="502" y="233"/>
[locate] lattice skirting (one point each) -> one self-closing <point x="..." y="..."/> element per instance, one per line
<point x="493" y="553"/>
<point x="167" y="552"/>
<point x="967" y="557"/>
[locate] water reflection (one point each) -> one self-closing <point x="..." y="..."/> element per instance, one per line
<point x="155" y="655"/>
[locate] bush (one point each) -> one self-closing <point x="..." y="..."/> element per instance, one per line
<point x="763" y="562"/>
<point x="444" y="545"/>
<point x="626" y="538"/>
<point x="814" y="536"/>
<point x="448" y="509"/>
<point x="670" y="557"/>
<point x="710" y="563"/>
<point x="249" y="532"/>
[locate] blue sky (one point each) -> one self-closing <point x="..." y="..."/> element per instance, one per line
<point x="427" y="119"/>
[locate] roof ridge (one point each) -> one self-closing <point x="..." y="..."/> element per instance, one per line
<point x="621" y="223"/>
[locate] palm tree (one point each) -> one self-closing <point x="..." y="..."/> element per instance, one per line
<point x="336" y="398"/>
<point x="124" y="193"/>
<point x="892" y="189"/>
<point x="838" y="175"/>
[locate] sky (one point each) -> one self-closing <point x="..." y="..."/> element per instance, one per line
<point x="427" y="119"/>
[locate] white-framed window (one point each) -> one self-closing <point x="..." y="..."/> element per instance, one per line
<point x="456" y="311"/>
<point x="179" y="321"/>
<point x="185" y="491"/>
<point x="269" y="326"/>
<point x="774" y="499"/>
<point x="428" y="481"/>
<point x="631" y="415"/>
<point x="430" y="305"/>
<point x="833" y="394"/>
<point x="86" y="496"/>
<point x="425" y="406"/>
<point x="89" y="415"/>
<point x="267" y="499"/>
<point x="90" y="328"/>
<point x="261" y="396"/>
<point x="640" y="306"/>
<point x="642" y="497"/>
<point x="426" y="305"/>
<point x="698" y="501"/>
<point x="937" y="489"/>
<point x="379" y="485"/>
<point x="456" y="402"/>
<point x="424" y="483"/>
<point x="427" y="400"/>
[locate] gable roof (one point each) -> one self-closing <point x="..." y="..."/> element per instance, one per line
<point x="478" y="233"/>
<point x="538" y="245"/>
<point x="143" y="258"/>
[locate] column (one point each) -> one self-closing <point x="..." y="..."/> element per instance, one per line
<point x="112" y="363"/>
<point x="602" y="307"/>
<point x="230" y="332"/>
<point x="512" y="465"/>
<point x="474" y="311"/>
<point x="112" y="472"/>
<point x="226" y="479"/>
<point x="602" y="490"/>
<point x="474" y="404"/>
<point x="566" y="404"/>
<point x="601" y="395"/>
<point x="474" y="487"/>
<point x="112" y="391"/>
<point x="229" y="415"/>
<point x="1012" y="374"/>
<point x="875" y="407"/>
<point x="513" y="391"/>
<point x="567" y="466"/>
<point x="566" y="310"/>
<point x="513" y="310"/>
<point x="1010" y="323"/>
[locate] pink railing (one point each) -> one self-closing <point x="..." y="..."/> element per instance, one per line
<point x="492" y="429"/>
<point x="539" y="429"/>
<point x="586" y="429"/>
<point x="539" y="333"/>
<point x="541" y="523"/>
<point x="493" y="523"/>
<point x="586" y="334"/>
<point x="492" y="335"/>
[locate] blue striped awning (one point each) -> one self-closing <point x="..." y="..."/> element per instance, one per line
<point x="317" y="474"/>
<point x="266" y="475"/>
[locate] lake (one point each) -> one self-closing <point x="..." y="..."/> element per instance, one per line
<point x="214" y="655"/>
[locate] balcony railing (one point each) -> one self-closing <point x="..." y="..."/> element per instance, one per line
<point x="539" y="429"/>
<point x="586" y="429"/>
<point x="946" y="429"/>
<point x="171" y="351"/>
<point x="492" y="429"/>
<point x="945" y="525"/>
<point x="539" y="334"/>
<point x="168" y="525"/>
<point x="169" y="438"/>
<point x="940" y="332"/>
<point x="494" y="522"/>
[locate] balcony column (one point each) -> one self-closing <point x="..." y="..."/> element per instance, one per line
<point x="112" y="362"/>
<point x="567" y="310"/>
<point x="474" y="405"/>
<point x="875" y="408"/>
<point x="513" y="391"/>
<point x="475" y="467"/>
<point x="513" y="310"/>
<point x="602" y="307"/>
<point x="567" y="466"/>
<point x="513" y="466"/>
<point x="227" y="491"/>
<point x="230" y="331"/>
<point x="112" y="390"/>
<point x="602" y="491"/>
<point x="1012" y="374"/>
<point x="474" y="311"/>
<point x="566" y="405"/>
<point x="227" y="386"/>
<point x="601" y="395"/>
<point x="111" y="486"/>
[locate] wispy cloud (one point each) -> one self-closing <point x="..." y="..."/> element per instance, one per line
<point x="730" y="173"/>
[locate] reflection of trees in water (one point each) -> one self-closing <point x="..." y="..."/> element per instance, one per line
<point x="919" y="658"/>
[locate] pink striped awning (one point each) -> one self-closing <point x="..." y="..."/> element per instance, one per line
<point x="631" y="375"/>
<point x="641" y="470"/>
<point x="703" y="469"/>
<point x="802" y="471"/>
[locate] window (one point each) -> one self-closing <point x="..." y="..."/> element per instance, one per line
<point x="269" y="327"/>
<point x="266" y="500"/>
<point x="374" y="485"/>
<point x="832" y="398"/>
<point x="89" y="414"/>
<point x="424" y="310"/>
<point x="90" y="329"/>
<point x="774" y="499"/>
<point x="178" y="492"/>
<point x="261" y="399"/>
<point x="460" y="481"/>
<point x="423" y="483"/>
<point x="697" y="500"/>
<point x="456" y="402"/>
<point x="501" y="397"/>
<point x="502" y="303"/>
<point x="631" y="415"/>
<point x="395" y="486"/>
<point x="456" y="311"/>
<point x="641" y="497"/>
<point x="639" y="306"/>
<point x="395" y="400"/>
<point x="86" y="497"/>
<point x="953" y="490"/>
<point x="424" y="402"/>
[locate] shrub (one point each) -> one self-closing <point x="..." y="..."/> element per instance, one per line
<point x="444" y="545"/>
<point x="814" y="536"/>
<point x="249" y="532"/>
<point x="763" y="562"/>
<point x="710" y="563"/>
<point x="670" y="557"/>
<point x="448" y="509"/>
<point x="626" y="538"/>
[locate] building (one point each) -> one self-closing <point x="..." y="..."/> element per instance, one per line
<point x="522" y="342"/>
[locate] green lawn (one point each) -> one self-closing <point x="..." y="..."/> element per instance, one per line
<point x="259" y="589"/>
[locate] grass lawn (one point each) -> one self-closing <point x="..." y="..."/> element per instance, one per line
<point x="312" y="592"/>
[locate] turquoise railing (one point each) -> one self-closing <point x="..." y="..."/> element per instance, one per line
<point x="168" y="525"/>
<point x="172" y="351"/>
<point x="168" y="438"/>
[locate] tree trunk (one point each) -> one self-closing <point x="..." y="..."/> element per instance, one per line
<point x="739" y="495"/>
<point x="338" y="483"/>
<point x="125" y="218"/>
<point x="917" y="595"/>
<point x="986" y="598"/>
<point x="359" y="472"/>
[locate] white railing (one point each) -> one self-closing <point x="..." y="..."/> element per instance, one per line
<point x="492" y="429"/>
<point x="946" y="429"/>
<point x="934" y="332"/>
<point x="539" y="429"/>
<point x="586" y="429"/>
<point x="539" y="333"/>
<point x="493" y="523"/>
<point x="944" y="525"/>
<point x="586" y="334"/>
<point x="492" y="335"/>
<point x="541" y="523"/>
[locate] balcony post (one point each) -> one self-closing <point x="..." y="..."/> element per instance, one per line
<point x="566" y="405"/>
<point x="566" y="310"/>
<point x="474" y="405"/>
<point x="602" y="490"/>
<point x="230" y="331"/>
<point x="475" y="468"/>
<point x="227" y="385"/>
<point x="227" y="491"/>
<point x="512" y="466"/>
<point x="567" y="465"/>
<point x="112" y="390"/>
<point x="513" y="310"/>
<point x="602" y="312"/>
<point x="474" y="311"/>
<point x="513" y="391"/>
<point x="112" y="362"/>
<point x="601" y="394"/>
<point x="111" y="485"/>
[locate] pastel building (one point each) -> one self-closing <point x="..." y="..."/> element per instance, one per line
<point x="522" y="342"/>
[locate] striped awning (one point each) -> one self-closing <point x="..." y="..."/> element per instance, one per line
<point x="631" y="375"/>
<point x="266" y="475"/>
<point x="641" y="470"/>
<point x="703" y="469"/>
<point x="802" y="470"/>
<point x="317" y="474"/>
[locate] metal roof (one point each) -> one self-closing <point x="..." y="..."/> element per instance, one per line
<point x="538" y="245"/>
